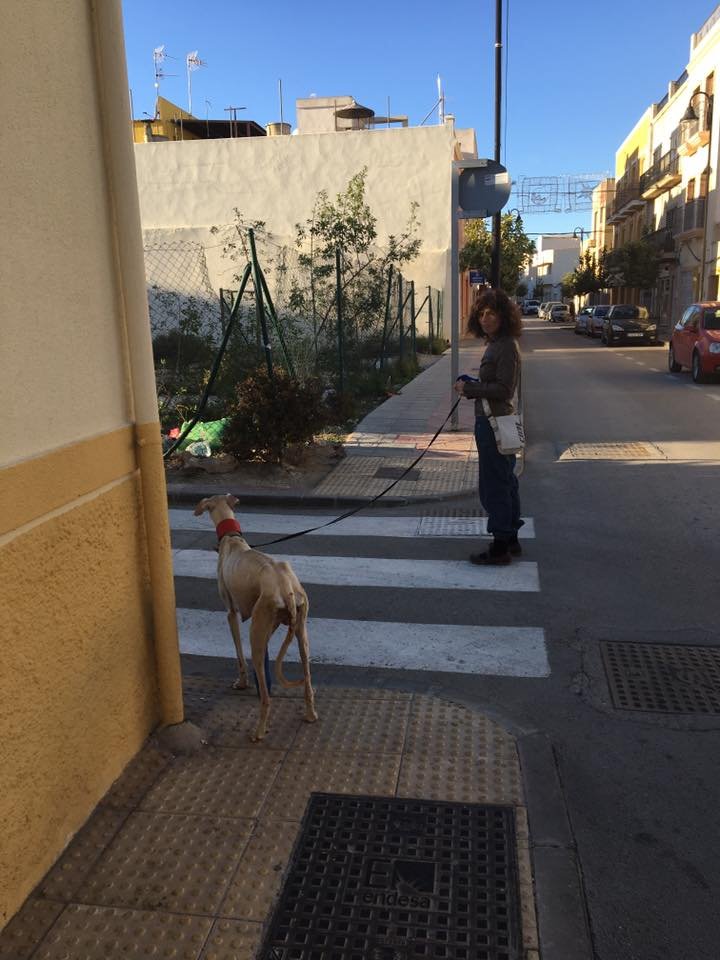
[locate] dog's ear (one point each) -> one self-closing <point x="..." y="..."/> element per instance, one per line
<point x="201" y="507"/>
<point x="231" y="500"/>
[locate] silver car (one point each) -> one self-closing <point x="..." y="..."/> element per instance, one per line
<point x="597" y="319"/>
<point x="559" y="313"/>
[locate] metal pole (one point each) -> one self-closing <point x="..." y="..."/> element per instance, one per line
<point x="259" y="304"/>
<point x="412" y="319"/>
<point x="338" y="298"/>
<point x="400" y="316"/>
<point x="276" y="322"/>
<point x="387" y="317"/>
<point x="703" y="265"/>
<point x="454" y="291"/>
<point x="430" y="320"/>
<point x="497" y="218"/>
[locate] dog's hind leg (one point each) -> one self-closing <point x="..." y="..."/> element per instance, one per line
<point x="261" y="629"/>
<point x="242" y="680"/>
<point x="304" y="647"/>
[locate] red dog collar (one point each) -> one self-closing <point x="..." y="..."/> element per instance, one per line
<point x="227" y="526"/>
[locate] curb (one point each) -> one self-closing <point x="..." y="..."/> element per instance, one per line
<point x="563" y="922"/>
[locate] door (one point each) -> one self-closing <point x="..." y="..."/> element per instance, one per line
<point x="686" y="336"/>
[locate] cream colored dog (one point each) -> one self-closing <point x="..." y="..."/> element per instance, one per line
<point x="266" y="590"/>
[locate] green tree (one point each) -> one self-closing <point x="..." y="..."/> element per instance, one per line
<point x="516" y="250"/>
<point x="567" y="285"/>
<point x="590" y="274"/>
<point x="521" y="290"/>
<point x="636" y="262"/>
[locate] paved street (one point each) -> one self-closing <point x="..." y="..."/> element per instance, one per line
<point x="620" y="546"/>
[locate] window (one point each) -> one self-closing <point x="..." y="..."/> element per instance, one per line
<point x="711" y="320"/>
<point x="657" y="154"/>
<point x="690" y="191"/>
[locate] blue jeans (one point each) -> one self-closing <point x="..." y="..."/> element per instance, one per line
<point x="498" y="485"/>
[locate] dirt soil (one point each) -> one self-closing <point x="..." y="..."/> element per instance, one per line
<point x="304" y="469"/>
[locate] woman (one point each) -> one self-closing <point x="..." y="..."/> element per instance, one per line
<point x="496" y="318"/>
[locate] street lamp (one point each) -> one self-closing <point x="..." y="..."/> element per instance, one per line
<point x="690" y="116"/>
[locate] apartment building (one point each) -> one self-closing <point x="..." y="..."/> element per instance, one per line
<point x="554" y="257"/>
<point x="666" y="186"/>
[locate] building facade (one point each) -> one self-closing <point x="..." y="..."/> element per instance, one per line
<point x="554" y="257"/>
<point x="666" y="189"/>
<point x="90" y="661"/>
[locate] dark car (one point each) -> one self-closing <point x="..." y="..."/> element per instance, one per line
<point x="626" y="323"/>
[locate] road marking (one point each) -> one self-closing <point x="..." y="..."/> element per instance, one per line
<point x="655" y="370"/>
<point x="368" y="526"/>
<point x="493" y="651"/>
<point x="381" y="572"/>
<point x="640" y="363"/>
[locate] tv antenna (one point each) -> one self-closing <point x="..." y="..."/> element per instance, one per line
<point x="159" y="57"/>
<point x="192" y="63"/>
<point x="233" y="118"/>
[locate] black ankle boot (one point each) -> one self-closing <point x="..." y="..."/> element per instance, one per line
<point x="497" y="555"/>
<point x="514" y="548"/>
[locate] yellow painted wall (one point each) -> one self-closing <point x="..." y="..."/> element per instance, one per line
<point x="162" y="125"/>
<point x="638" y="139"/>
<point x="90" y="662"/>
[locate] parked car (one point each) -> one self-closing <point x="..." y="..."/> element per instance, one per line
<point x="582" y="320"/>
<point x="597" y="319"/>
<point x="626" y="323"/>
<point x="558" y="313"/>
<point x="695" y="341"/>
<point x="548" y="307"/>
<point x="530" y="308"/>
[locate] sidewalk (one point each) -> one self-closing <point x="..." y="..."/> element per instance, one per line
<point x="186" y="856"/>
<point x="383" y="445"/>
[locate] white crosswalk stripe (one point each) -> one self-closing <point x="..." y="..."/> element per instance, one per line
<point x="381" y="572"/>
<point x="517" y="651"/>
<point x="366" y="526"/>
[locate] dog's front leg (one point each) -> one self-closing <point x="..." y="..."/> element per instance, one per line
<point x="242" y="680"/>
<point x="261" y="629"/>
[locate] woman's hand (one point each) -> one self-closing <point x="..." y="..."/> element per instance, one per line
<point x="460" y="387"/>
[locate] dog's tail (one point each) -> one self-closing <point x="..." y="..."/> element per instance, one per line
<point x="291" y="607"/>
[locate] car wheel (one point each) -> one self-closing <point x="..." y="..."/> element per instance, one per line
<point x="673" y="365"/>
<point x="697" y="374"/>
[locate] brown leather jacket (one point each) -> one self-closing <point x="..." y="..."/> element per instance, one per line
<point x="499" y="378"/>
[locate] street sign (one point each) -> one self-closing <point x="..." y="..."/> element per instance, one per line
<point x="477" y="278"/>
<point x="483" y="188"/>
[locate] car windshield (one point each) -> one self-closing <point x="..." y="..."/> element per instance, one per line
<point x="601" y="311"/>
<point x="712" y="319"/>
<point x="625" y="313"/>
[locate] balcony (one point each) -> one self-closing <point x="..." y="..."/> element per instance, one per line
<point x="693" y="219"/>
<point x="628" y="200"/>
<point x="661" y="176"/>
<point x="664" y="240"/>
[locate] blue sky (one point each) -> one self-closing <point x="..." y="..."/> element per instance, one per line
<point x="578" y="74"/>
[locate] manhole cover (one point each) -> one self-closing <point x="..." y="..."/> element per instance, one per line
<point x="663" y="678"/>
<point x="385" y="879"/>
<point x="394" y="473"/>
<point x="608" y="451"/>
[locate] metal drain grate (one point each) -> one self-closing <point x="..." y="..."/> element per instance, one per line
<point x="663" y="678"/>
<point x="375" y="878"/>
<point x="394" y="473"/>
<point x="609" y="451"/>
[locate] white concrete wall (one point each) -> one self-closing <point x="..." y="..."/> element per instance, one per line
<point x="187" y="187"/>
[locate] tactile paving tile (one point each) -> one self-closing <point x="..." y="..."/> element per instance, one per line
<point x="216" y="782"/>
<point x="87" y="933"/>
<point x="230" y="723"/>
<point x="63" y="879"/>
<point x="261" y="871"/>
<point x="232" y="940"/>
<point x="27" y="928"/>
<point x="137" y="778"/>
<point x="458" y="781"/>
<point x="357" y="726"/>
<point x="330" y="772"/>
<point x="169" y="862"/>
<point x="448" y="730"/>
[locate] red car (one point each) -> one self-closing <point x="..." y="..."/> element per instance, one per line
<point x="695" y="341"/>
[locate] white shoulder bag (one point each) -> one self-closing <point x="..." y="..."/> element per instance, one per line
<point x="509" y="431"/>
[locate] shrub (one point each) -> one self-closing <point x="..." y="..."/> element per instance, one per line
<point x="271" y="414"/>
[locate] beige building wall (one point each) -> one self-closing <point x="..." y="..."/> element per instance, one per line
<point x="186" y="188"/>
<point x="88" y="666"/>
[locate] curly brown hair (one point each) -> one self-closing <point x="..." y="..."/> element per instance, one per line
<point x="501" y="304"/>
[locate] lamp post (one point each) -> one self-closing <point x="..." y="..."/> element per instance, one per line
<point x="690" y="116"/>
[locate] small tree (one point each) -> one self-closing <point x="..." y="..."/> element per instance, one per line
<point x="567" y="285"/>
<point x="590" y="274"/>
<point x="521" y="290"/>
<point x="637" y="262"/>
<point x="516" y="250"/>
